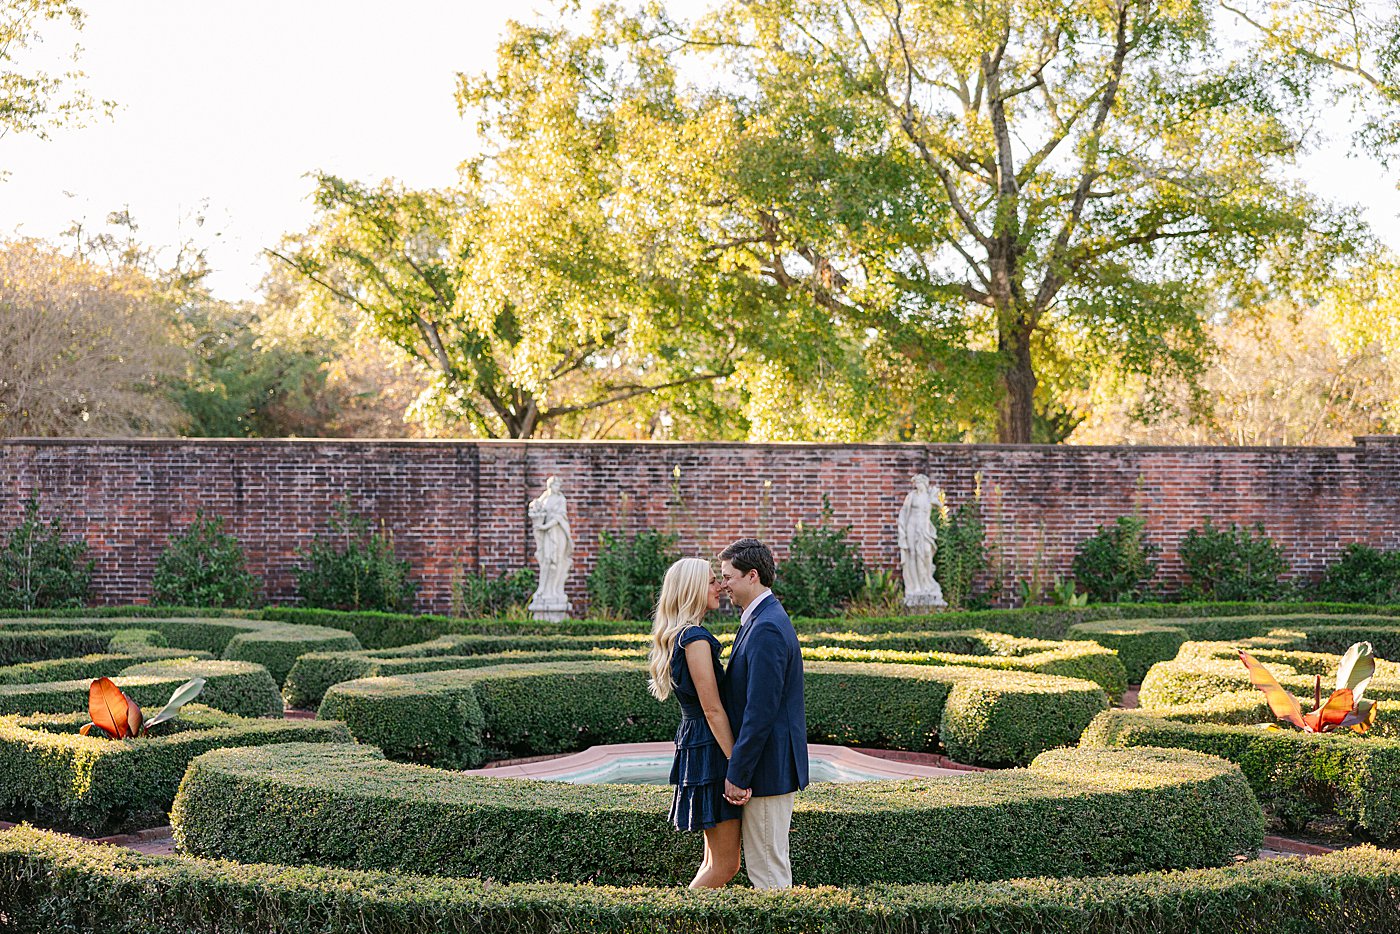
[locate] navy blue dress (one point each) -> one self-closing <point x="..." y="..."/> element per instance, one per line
<point x="700" y="766"/>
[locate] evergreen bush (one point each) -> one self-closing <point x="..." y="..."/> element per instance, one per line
<point x="38" y="569"/>
<point x="204" y="566"/>
<point x="823" y="571"/>
<point x="1362" y="575"/>
<point x="354" y="568"/>
<point x="1232" y="564"/>
<point x="477" y="595"/>
<point x="626" y="578"/>
<point x="1115" y="564"/>
<point x="961" y="555"/>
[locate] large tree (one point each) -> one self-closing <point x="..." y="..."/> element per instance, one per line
<point x="1012" y="194"/>
<point x="34" y="100"/>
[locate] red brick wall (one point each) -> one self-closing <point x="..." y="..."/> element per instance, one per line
<point x="464" y="502"/>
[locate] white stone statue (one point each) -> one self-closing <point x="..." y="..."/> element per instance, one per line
<point x="918" y="541"/>
<point x="554" y="549"/>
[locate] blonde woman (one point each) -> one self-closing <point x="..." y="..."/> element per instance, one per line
<point x="684" y="661"/>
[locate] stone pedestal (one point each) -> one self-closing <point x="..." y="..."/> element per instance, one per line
<point x="928" y="600"/>
<point x="551" y="610"/>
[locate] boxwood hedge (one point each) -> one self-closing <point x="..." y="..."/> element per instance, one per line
<point x="466" y="717"/>
<point x="240" y="688"/>
<point x="1073" y="812"/>
<point x="93" y="785"/>
<point x="53" y="883"/>
<point x="1296" y="776"/>
<point x="274" y="645"/>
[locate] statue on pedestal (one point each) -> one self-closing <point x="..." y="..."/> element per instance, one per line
<point x="918" y="542"/>
<point x="554" y="549"/>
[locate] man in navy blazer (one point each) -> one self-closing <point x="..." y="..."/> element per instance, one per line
<point x="763" y="697"/>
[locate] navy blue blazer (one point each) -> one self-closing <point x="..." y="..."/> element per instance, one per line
<point x="763" y="697"/>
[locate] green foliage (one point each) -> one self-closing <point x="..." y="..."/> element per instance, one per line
<point x="1362" y="575"/>
<point x="38" y="569"/>
<point x="1075" y="812"/>
<point x="464" y="718"/>
<point x="51" y="776"/>
<point x="1231" y="564"/>
<point x="1115" y="564"/>
<point x="823" y="570"/>
<point x="882" y="594"/>
<point x="18" y="646"/>
<point x="233" y="687"/>
<point x="626" y="578"/>
<point x="479" y="595"/>
<point x="56" y="883"/>
<point x="204" y="566"/>
<point x="277" y="648"/>
<point x="962" y="553"/>
<point x="354" y="567"/>
<point x="1297" y="777"/>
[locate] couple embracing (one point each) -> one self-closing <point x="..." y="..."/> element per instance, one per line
<point x="741" y="748"/>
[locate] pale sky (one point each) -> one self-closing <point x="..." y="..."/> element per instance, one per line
<point x="231" y="104"/>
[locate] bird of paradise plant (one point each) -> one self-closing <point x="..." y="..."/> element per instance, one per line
<point x="1344" y="709"/>
<point x="118" y="716"/>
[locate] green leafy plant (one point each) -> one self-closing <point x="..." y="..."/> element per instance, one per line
<point x="204" y="566"/>
<point x="882" y="594"/>
<point x="823" y="571"/>
<point x="1362" y="575"/>
<point x="38" y="569"/>
<point x="119" y="717"/>
<point x="1115" y="564"/>
<point x="1344" y="708"/>
<point x="1232" y="564"/>
<point x="480" y="596"/>
<point x="354" y="568"/>
<point x="962" y="553"/>
<point x="627" y="573"/>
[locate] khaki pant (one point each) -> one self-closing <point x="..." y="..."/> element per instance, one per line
<point x="765" y="828"/>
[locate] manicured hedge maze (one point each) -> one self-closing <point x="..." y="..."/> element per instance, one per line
<point x="463" y="718"/>
<point x="1074" y="812"/>
<point x="240" y="688"/>
<point x="94" y="785"/>
<point x="53" y="883"/>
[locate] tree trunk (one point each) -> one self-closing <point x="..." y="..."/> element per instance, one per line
<point x="1016" y="408"/>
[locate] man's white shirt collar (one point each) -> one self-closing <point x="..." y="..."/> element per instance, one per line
<point x="753" y="606"/>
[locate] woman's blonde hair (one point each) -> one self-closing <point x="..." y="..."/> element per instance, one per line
<point x="684" y="600"/>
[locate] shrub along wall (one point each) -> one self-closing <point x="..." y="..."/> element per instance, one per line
<point x="1296" y="776"/>
<point x="94" y="785"/>
<point x="1076" y="812"/>
<point x="467" y="717"/>
<point x="53" y="883"/>
<point x="240" y="688"/>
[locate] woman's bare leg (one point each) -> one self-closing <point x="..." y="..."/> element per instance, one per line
<point x="722" y="843"/>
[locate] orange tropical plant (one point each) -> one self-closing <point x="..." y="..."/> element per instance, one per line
<point x="120" y="717"/>
<point x="1344" y="709"/>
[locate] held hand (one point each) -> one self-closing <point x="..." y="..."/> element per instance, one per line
<point x="736" y="795"/>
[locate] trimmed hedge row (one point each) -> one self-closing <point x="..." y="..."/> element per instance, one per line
<point x="463" y="718"/>
<point x="54" y="883"/>
<point x="94" y="785"/>
<point x="240" y="688"/>
<point x="1296" y="776"/>
<point x="275" y="645"/>
<point x="387" y="630"/>
<point x="1075" y="812"/>
<point x="119" y="650"/>
<point x="42" y="644"/>
<point x="1141" y="643"/>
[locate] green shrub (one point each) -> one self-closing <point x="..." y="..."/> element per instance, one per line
<point x="1115" y="564"/>
<point x="1362" y="575"/>
<point x="627" y="572"/>
<point x="1075" y="812"/>
<point x="38" y="569"/>
<point x="1231" y="564"/>
<point x="51" y="775"/>
<point x="479" y="595"/>
<point x="463" y="718"/>
<point x="54" y="883"/>
<point x="1296" y="776"/>
<point x="823" y="571"/>
<point x="962" y="553"/>
<point x="354" y="568"/>
<point x="89" y="667"/>
<point x="277" y="648"/>
<point x="34" y="645"/>
<point x="233" y="687"/>
<point x="204" y="567"/>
